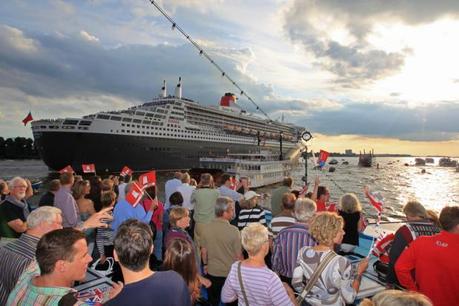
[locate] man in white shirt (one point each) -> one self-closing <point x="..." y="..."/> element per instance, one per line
<point x="171" y="187"/>
<point x="186" y="190"/>
<point x="122" y="187"/>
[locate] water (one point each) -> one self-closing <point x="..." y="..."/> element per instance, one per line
<point x="398" y="183"/>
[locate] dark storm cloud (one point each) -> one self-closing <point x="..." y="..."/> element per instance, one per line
<point x="426" y="123"/>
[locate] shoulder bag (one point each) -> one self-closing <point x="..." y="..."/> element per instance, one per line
<point x="315" y="276"/>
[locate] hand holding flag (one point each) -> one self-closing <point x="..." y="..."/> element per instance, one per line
<point x="376" y="199"/>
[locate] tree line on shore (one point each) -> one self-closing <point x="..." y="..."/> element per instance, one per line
<point x="17" y="148"/>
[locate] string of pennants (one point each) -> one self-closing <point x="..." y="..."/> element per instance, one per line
<point x="137" y="192"/>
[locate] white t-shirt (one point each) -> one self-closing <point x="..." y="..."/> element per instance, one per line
<point x="186" y="190"/>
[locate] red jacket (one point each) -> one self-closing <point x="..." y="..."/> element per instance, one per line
<point x="434" y="259"/>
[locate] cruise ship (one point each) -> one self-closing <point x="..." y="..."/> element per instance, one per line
<point x="170" y="132"/>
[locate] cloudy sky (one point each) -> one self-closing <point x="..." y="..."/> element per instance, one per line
<point x="380" y="74"/>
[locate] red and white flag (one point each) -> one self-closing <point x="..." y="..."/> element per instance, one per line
<point x="67" y="169"/>
<point x="88" y="168"/>
<point x="133" y="197"/>
<point x="147" y="179"/>
<point x="126" y="171"/>
<point x="377" y="200"/>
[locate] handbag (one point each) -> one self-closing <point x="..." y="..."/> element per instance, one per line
<point x="239" y="275"/>
<point x="315" y="277"/>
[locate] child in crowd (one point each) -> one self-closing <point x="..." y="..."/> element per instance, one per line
<point x="104" y="236"/>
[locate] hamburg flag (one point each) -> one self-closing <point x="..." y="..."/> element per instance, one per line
<point x="67" y="169"/>
<point x="147" y="179"/>
<point x="133" y="197"/>
<point x="27" y="119"/>
<point x="88" y="168"/>
<point x="323" y="155"/>
<point x="126" y="171"/>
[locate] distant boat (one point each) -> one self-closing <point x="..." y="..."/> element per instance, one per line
<point x="333" y="162"/>
<point x="345" y="162"/>
<point x="366" y="159"/>
<point x="447" y="162"/>
<point x="429" y="160"/>
<point x="420" y="162"/>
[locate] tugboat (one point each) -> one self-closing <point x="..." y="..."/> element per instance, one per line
<point x="366" y="159"/>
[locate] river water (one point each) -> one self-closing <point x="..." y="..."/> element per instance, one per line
<point x="398" y="183"/>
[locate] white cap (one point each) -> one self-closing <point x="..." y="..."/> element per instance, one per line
<point x="250" y="194"/>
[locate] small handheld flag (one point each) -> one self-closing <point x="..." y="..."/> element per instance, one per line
<point x="27" y="119"/>
<point x="323" y="155"/>
<point x="67" y="169"/>
<point x="88" y="168"/>
<point x="126" y="171"/>
<point x="147" y="179"/>
<point x="133" y="197"/>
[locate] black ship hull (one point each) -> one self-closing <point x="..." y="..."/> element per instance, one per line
<point x="111" y="152"/>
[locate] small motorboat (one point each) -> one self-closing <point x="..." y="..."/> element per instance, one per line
<point x="345" y="162"/>
<point x="420" y="162"/>
<point x="429" y="160"/>
<point x="333" y="162"/>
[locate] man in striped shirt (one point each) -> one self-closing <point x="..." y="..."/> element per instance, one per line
<point x="251" y="212"/>
<point x="291" y="239"/>
<point x="287" y="216"/>
<point x="17" y="255"/>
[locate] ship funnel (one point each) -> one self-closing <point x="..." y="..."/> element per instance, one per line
<point x="164" y="90"/>
<point x="178" y="89"/>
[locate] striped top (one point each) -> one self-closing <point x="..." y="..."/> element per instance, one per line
<point x="25" y="293"/>
<point x="281" y="221"/>
<point x="14" y="258"/>
<point x="261" y="285"/>
<point x="251" y="215"/>
<point x="104" y="237"/>
<point x="286" y="246"/>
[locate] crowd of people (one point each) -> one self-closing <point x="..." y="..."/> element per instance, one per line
<point x="209" y="245"/>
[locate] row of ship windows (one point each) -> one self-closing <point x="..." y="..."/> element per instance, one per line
<point x="63" y="127"/>
<point x="167" y="134"/>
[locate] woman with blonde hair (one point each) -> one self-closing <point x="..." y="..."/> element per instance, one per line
<point x="80" y="190"/>
<point x="397" y="298"/>
<point x="338" y="285"/>
<point x="351" y="211"/>
<point x="250" y="281"/>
